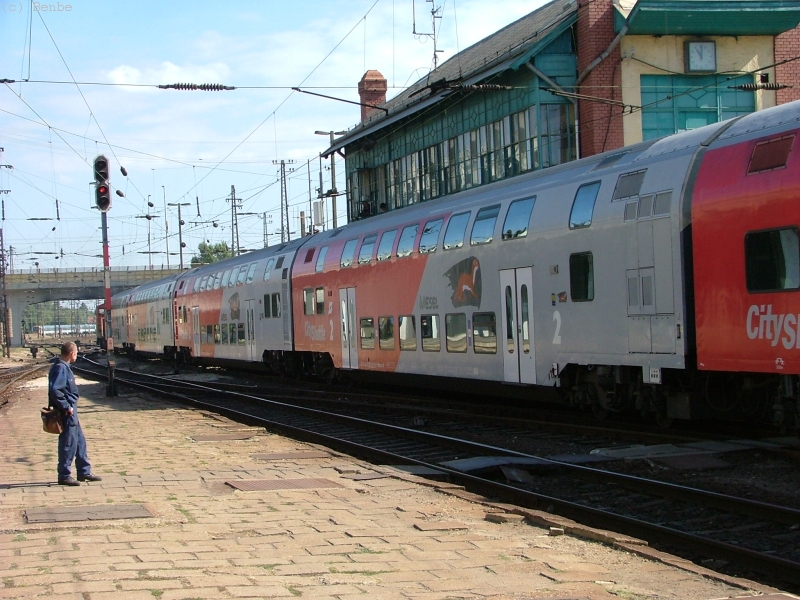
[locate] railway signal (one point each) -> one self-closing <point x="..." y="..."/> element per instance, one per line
<point x="102" y="190"/>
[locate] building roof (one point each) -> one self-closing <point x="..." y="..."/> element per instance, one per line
<point x="507" y="48"/>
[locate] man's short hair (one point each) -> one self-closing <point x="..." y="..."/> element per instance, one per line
<point x="68" y="348"/>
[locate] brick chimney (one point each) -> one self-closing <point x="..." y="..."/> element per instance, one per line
<point x="372" y="90"/>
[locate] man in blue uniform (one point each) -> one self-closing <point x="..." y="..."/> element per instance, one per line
<point x="63" y="394"/>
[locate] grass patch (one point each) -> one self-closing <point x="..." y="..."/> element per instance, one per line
<point x="268" y="567"/>
<point x="365" y="550"/>
<point x="186" y="514"/>
<point x="8" y="582"/>
<point x="52" y="541"/>
<point x="157" y="593"/>
<point x="20" y="537"/>
<point x="294" y="591"/>
<point x="122" y="473"/>
<point x="364" y="573"/>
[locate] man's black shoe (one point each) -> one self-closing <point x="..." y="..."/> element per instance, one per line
<point x="89" y="477"/>
<point x="68" y="481"/>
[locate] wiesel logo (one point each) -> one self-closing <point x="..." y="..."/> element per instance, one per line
<point x="37" y="7"/>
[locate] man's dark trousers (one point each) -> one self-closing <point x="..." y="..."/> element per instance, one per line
<point x="72" y="446"/>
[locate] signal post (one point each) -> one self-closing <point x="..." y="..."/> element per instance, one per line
<point x="102" y="194"/>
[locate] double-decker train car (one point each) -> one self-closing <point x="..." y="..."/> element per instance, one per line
<point x="659" y="277"/>
<point x="141" y="318"/>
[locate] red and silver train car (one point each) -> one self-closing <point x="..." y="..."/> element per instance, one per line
<point x="660" y="277"/>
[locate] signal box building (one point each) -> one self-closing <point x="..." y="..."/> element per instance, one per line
<point x="569" y="80"/>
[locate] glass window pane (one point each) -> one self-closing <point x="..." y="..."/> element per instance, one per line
<point x="240" y="328"/>
<point x="320" y="296"/>
<point x="429" y="326"/>
<point x="406" y="244"/>
<point x="581" y="277"/>
<point x="386" y="333"/>
<point x="242" y="275"/>
<point x="525" y="320"/>
<point x="203" y="283"/>
<point x="772" y="260"/>
<point x="456" y="332"/>
<point x="321" y="259"/>
<point x="276" y="304"/>
<point x="232" y="330"/>
<point x="484" y="333"/>
<point x="348" y="252"/>
<point x="583" y="205"/>
<point x="308" y="301"/>
<point x="367" y="246"/>
<point x="268" y="270"/>
<point x="408" y="332"/>
<point x="517" y="218"/>
<point x="367" y="333"/>
<point x="385" y="247"/>
<point x="224" y="334"/>
<point x="279" y="264"/>
<point x="217" y="279"/>
<point x="251" y="273"/>
<point x="483" y="228"/>
<point x="430" y="236"/>
<point x="456" y="229"/>
<point x="510" y="329"/>
<point x="267" y="306"/>
<point x="234" y="275"/>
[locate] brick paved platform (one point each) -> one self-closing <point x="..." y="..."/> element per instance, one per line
<point x="392" y="537"/>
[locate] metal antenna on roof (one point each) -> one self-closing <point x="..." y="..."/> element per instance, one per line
<point x="435" y="10"/>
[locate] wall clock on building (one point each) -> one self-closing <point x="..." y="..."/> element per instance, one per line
<point x="701" y="57"/>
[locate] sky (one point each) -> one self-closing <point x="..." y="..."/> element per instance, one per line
<point x="192" y="146"/>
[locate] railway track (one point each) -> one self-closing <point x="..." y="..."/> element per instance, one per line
<point x="751" y="536"/>
<point x="10" y="377"/>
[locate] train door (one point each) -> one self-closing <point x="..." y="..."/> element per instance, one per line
<point x="251" y="328"/>
<point x="196" y="330"/>
<point x="519" y="354"/>
<point x="347" y="315"/>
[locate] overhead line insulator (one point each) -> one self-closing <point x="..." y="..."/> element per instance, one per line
<point x="203" y="87"/>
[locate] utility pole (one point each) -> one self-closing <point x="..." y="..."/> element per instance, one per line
<point x="5" y="307"/>
<point x="285" y="232"/>
<point x="181" y="223"/>
<point x="166" y="223"/>
<point x="333" y="192"/>
<point x="234" y="222"/>
<point x="310" y="207"/>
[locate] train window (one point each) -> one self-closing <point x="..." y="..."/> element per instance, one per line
<point x="232" y="333"/>
<point x="284" y="273"/>
<point x="770" y="155"/>
<point x="323" y="252"/>
<point x="210" y="282"/>
<point x="484" y="333"/>
<point x="279" y="264"/>
<point x="241" y="332"/>
<point x="234" y="275"/>
<point x="385" y="247"/>
<point x="407" y="325"/>
<point x="268" y="270"/>
<point x="631" y="209"/>
<point x="224" y="335"/>
<point x="180" y="314"/>
<point x="429" y="327"/>
<point x="456" y="229"/>
<point x="276" y="304"/>
<point x="225" y="276"/>
<point x="320" y="297"/>
<point x="367" y="246"/>
<point x="581" y="277"/>
<point x="266" y="306"/>
<point x="209" y="334"/>
<point x="309" y="255"/>
<point x="517" y="219"/>
<point x="251" y="273"/>
<point x="430" y="236"/>
<point x="196" y="284"/>
<point x="308" y="301"/>
<point x="646" y="206"/>
<point x="242" y="275"/>
<point x="216" y="334"/>
<point x="203" y="283"/>
<point x="583" y="206"/>
<point x="628" y="185"/>
<point x="483" y="227"/>
<point x="455" y="330"/>
<point x="185" y="314"/>
<point x="772" y="260"/>
<point x="367" y="333"/>
<point x="406" y="244"/>
<point x="525" y="318"/>
<point x="386" y="333"/>
<point x="348" y="252"/>
<point x="663" y="203"/>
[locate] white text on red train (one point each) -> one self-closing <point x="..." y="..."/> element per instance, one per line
<point x="763" y="324"/>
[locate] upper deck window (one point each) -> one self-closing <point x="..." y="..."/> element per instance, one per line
<point x="771" y="154"/>
<point x="517" y="218"/>
<point x="251" y="273"/>
<point x="385" y="247"/>
<point x="456" y="230"/>
<point x="348" y="252"/>
<point x="406" y="244"/>
<point x="483" y="228"/>
<point x="583" y="206"/>
<point x="321" y="259"/>
<point x="430" y="236"/>
<point x="628" y="185"/>
<point x="267" y="271"/>
<point x="367" y="246"/>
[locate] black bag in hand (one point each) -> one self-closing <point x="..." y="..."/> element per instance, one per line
<point x="51" y="420"/>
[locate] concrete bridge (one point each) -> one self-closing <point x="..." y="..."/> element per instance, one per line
<point x="31" y="286"/>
